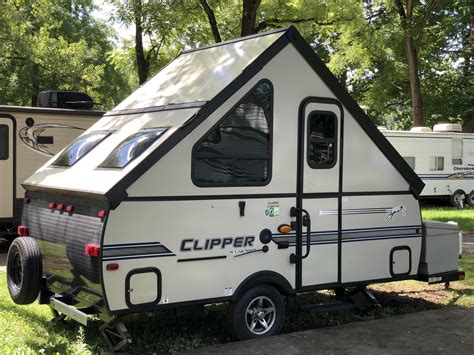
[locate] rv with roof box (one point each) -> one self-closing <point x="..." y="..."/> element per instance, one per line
<point x="30" y="137"/>
<point x="443" y="157"/>
<point x="242" y="172"/>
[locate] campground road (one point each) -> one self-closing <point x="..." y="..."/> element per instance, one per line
<point x="444" y="331"/>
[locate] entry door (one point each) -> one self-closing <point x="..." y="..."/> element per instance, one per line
<point x="319" y="188"/>
<point x="7" y="167"/>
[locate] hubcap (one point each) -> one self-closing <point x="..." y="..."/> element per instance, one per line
<point x="17" y="272"/>
<point x="459" y="199"/>
<point x="260" y="315"/>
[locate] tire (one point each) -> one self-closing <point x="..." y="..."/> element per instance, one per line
<point x="457" y="199"/>
<point x="470" y="199"/>
<point x="249" y="311"/>
<point x="24" y="270"/>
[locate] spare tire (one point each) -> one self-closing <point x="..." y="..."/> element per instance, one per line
<point x="24" y="270"/>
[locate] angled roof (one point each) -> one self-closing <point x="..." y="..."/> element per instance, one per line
<point x="184" y="79"/>
<point x="199" y="74"/>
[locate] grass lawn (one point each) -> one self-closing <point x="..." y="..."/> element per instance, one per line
<point x="464" y="217"/>
<point x="25" y="329"/>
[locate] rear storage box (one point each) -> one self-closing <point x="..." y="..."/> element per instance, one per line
<point x="440" y="248"/>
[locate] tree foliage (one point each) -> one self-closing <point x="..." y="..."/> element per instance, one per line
<point x="55" y="44"/>
<point x="380" y="50"/>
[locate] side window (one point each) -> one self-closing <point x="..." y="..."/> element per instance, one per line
<point x="436" y="163"/>
<point x="322" y="140"/>
<point x="3" y="142"/>
<point x="237" y="151"/>
<point x="410" y="161"/>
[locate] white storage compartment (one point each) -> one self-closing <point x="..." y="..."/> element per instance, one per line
<point x="440" y="248"/>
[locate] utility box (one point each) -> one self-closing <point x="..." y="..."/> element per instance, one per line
<point x="440" y="248"/>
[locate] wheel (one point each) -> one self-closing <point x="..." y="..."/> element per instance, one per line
<point x="457" y="199"/>
<point x="259" y="312"/>
<point x="24" y="270"/>
<point x="470" y="199"/>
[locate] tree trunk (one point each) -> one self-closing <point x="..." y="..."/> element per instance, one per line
<point x="415" y="90"/>
<point x="142" y="63"/>
<point x="249" y="17"/>
<point x="212" y="20"/>
<point x="35" y="85"/>
<point x="412" y="59"/>
<point x="468" y="125"/>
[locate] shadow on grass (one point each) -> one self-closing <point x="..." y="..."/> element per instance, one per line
<point x="165" y="332"/>
<point x="461" y="293"/>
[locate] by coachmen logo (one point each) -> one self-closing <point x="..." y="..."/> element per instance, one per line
<point x="394" y="211"/>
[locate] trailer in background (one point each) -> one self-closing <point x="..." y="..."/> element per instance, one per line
<point x="443" y="158"/>
<point x="29" y="137"/>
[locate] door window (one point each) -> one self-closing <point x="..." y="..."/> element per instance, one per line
<point x="237" y="151"/>
<point x="456" y="151"/>
<point x="4" y="142"/>
<point x="322" y="140"/>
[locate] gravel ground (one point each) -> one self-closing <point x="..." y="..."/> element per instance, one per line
<point x="468" y="242"/>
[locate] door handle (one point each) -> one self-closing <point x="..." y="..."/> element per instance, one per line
<point x="306" y="223"/>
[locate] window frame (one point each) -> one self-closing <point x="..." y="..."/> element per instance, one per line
<point x="336" y="139"/>
<point x="219" y="122"/>
<point x="7" y="155"/>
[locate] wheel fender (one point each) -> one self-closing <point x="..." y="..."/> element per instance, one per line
<point x="265" y="277"/>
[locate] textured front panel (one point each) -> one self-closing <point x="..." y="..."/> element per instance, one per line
<point x="62" y="236"/>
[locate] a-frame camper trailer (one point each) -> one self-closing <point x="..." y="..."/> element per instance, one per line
<point x="242" y="172"/>
<point x="30" y="137"/>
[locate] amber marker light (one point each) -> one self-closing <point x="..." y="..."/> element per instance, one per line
<point x="284" y="228"/>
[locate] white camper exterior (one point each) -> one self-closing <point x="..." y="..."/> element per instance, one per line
<point x="239" y="181"/>
<point x="443" y="158"/>
<point x="29" y="137"/>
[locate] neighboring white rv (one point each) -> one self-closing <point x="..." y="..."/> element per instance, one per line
<point x="242" y="172"/>
<point x="29" y="137"/>
<point x="443" y="158"/>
